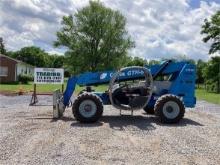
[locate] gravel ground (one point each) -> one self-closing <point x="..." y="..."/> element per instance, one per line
<point x="28" y="135"/>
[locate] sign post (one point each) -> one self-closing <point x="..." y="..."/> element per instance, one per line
<point x="46" y="76"/>
<point x="34" y="99"/>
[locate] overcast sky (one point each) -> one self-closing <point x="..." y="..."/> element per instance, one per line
<point x="160" y="28"/>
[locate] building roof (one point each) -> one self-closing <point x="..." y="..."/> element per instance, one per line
<point x="13" y="59"/>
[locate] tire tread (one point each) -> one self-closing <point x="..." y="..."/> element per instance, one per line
<point x="161" y="101"/>
<point x="82" y="97"/>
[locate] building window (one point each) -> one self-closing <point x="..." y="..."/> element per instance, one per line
<point x="3" y="71"/>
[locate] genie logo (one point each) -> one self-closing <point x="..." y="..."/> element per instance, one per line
<point x="103" y="76"/>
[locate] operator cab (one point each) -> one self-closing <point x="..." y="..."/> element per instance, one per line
<point x="130" y="95"/>
<point x="133" y="92"/>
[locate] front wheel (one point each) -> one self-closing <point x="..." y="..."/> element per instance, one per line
<point x="87" y="108"/>
<point x="169" y="108"/>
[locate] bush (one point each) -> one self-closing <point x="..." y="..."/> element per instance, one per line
<point x="66" y="73"/>
<point x="212" y="86"/>
<point x="10" y="83"/>
<point x="25" y="78"/>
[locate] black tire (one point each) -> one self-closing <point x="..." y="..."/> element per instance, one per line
<point x="89" y="97"/>
<point x="149" y="110"/>
<point x="168" y="105"/>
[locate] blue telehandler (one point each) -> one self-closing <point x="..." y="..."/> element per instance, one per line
<point x="164" y="90"/>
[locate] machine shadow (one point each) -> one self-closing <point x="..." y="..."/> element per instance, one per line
<point x="182" y="123"/>
<point x="79" y="124"/>
<point x="64" y="118"/>
<point x="127" y="121"/>
<point x="144" y="123"/>
<point x="120" y="122"/>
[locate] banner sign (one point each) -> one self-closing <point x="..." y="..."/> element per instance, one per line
<point x="48" y="76"/>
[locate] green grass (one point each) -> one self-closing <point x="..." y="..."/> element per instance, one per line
<point x="201" y="94"/>
<point x="28" y="87"/>
<point x="42" y="88"/>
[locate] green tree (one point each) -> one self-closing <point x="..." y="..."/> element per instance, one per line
<point x="10" y="53"/>
<point x="55" y="61"/>
<point x="153" y="62"/>
<point x="2" y="46"/>
<point x="32" y="55"/>
<point x="211" y="30"/>
<point x="96" y="38"/>
<point x="211" y="74"/>
<point x="136" y="61"/>
<point x="199" y="71"/>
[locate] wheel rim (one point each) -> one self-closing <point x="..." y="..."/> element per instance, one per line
<point x="87" y="108"/>
<point x="171" y="110"/>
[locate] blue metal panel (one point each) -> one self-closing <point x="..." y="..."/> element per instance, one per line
<point x="71" y="84"/>
<point x="171" y="68"/>
<point x="96" y="78"/>
<point x="90" y="78"/>
<point x="104" y="97"/>
<point x="152" y="101"/>
<point x="183" y="85"/>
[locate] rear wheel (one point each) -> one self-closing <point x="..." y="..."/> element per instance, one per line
<point x="169" y="108"/>
<point x="87" y="108"/>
